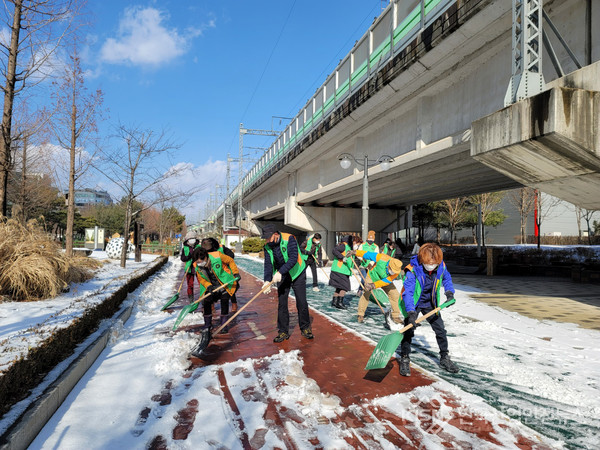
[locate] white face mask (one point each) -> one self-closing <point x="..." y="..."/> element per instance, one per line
<point x="429" y="267"/>
<point x="203" y="263"/>
<point x="356" y="246"/>
<point x="317" y="242"/>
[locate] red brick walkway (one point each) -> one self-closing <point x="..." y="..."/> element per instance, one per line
<point x="335" y="359"/>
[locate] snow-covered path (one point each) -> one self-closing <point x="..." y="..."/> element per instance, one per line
<point x="542" y="374"/>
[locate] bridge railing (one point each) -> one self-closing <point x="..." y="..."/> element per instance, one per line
<point x="389" y="34"/>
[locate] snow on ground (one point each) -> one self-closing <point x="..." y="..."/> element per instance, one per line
<point x="544" y="375"/>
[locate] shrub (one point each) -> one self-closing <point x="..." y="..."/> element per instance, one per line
<point x="32" y="265"/>
<point x="252" y="245"/>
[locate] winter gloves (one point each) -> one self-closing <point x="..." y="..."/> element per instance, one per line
<point x="449" y="296"/>
<point x="237" y="277"/>
<point x="276" y="277"/>
<point x="266" y="287"/>
<point x="412" y="318"/>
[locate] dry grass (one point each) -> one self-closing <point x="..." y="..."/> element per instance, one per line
<point x="33" y="267"/>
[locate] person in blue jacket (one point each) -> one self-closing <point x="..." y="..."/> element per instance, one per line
<point x="424" y="276"/>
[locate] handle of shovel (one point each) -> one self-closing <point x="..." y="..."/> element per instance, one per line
<point x="325" y="273"/>
<point x="430" y="313"/>
<point x="209" y="294"/>
<point x="242" y="308"/>
<point x="184" y="274"/>
<point x="363" y="287"/>
<point x="186" y="309"/>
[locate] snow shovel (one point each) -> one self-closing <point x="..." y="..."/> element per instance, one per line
<point x="383" y="298"/>
<point x="176" y="296"/>
<point x="193" y="306"/>
<point x="387" y="345"/>
<point x="206" y="333"/>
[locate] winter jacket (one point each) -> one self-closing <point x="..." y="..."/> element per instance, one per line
<point x="368" y="248"/>
<point x="338" y="264"/>
<point x="186" y="253"/>
<point x="414" y="279"/>
<point x="311" y="252"/>
<point x="224" y="270"/>
<point x="378" y="274"/>
<point x="284" y="258"/>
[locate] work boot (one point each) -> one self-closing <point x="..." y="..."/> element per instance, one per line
<point x="447" y="364"/>
<point x="282" y="336"/>
<point x="316" y="289"/>
<point x="361" y="319"/>
<point x="333" y="301"/>
<point x="404" y="365"/>
<point x="340" y="303"/>
<point x="307" y="333"/>
<point x="224" y="318"/>
<point x="207" y="322"/>
<point x="234" y="307"/>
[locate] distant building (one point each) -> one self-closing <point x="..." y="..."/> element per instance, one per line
<point x="86" y="197"/>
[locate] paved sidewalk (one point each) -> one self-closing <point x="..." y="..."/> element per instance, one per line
<point x="557" y="299"/>
<point x="335" y="359"/>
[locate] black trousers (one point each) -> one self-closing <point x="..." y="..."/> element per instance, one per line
<point x="313" y="268"/>
<point x="283" y="292"/>
<point x="222" y="296"/>
<point x="437" y="324"/>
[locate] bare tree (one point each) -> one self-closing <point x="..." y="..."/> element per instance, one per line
<point x="454" y="212"/>
<point x="587" y="215"/>
<point x="490" y="216"/>
<point x="75" y="128"/>
<point x="135" y="167"/>
<point x="524" y="201"/>
<point x="545" y="206"/>
<point x="35" y="31"/>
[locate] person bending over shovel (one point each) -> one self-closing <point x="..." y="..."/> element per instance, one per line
<point x="424" y="276"/>
<point x="214" y="269"/>
<point x="381" y="275"/>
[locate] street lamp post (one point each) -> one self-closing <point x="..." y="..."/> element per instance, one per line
<point x="345" y="162"/>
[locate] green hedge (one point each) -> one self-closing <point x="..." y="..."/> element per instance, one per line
<point x="253" y="245"/>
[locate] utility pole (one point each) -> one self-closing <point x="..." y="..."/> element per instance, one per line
<point x="244" y="131"/>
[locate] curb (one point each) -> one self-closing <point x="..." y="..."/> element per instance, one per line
<point x="30" y="423"/>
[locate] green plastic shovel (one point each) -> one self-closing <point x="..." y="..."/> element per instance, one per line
<point x="176" y="296"/>
<point x="387" y="345"/>
<point x="193" y="306"/>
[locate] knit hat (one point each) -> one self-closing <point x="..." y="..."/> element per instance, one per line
<point x="371" y="236"/>
<point x="191" y="234"/>
<point x="395" y="265"/>
<point x="268" y="231"/>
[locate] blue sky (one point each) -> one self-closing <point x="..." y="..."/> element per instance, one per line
<point x="199" y="68"/>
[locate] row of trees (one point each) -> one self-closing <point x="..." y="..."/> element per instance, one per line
<point x="49" y="112"/>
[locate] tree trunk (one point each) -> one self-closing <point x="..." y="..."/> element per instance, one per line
<point x="73" y="149"/>
<point x="9" y="97"/>
<point x="126" y="231"/>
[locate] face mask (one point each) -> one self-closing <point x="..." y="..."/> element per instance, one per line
<point x="389" y="272"/>
<point x="370" y="241"/>
<point x="317" y="242"/>
<point x="203" y="263"/>
<point x="429" y="267"/>
<point x="356" y="246"/>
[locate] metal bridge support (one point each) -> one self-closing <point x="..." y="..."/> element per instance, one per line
<point x="527" y="78"/>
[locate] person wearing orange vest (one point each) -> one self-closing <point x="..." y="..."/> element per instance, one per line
<point x="284" y="265"/>
<point x="210" y="244"/>
<point x="214" y="269"/>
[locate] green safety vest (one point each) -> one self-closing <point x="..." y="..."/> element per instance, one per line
<point x="186" y="252"/>
<point x="283" y="243"/>
<point x="222" y="275"/>
<point x="369" y="248"/>
<point x="386" y="249"/>
<point x="343" y="267"/>
<point x="418" y="288"/>
<point x="309" y="244"/>
<point x="379" y="271"/>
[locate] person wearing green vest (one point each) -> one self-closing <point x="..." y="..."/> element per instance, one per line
<point x="311" y="253"/>
<point x="210" y="244"/>
<point x="382" y="274"/>
<point x="341" y="269"/>
<point x="395" y="249"/>
<point x="214" y="269"/>
<point x="369" y="246"/>
<point x="191" y="242"/>
<point x="424" y="277"/>
<point x="285" y="267"/>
